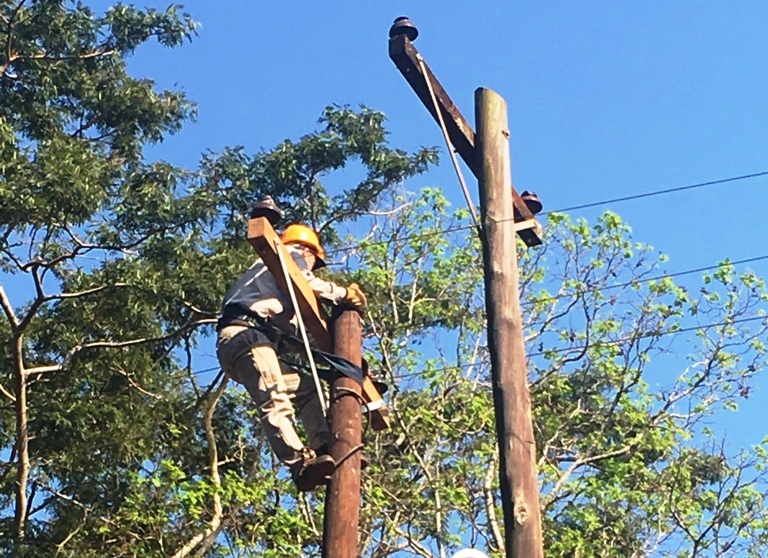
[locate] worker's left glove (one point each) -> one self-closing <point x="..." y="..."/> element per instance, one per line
<point x="356" y="297"/>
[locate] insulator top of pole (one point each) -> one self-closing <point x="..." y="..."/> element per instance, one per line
<point x="266" y="207"/>
<point x="532" y="202"/>
<point x="404" y="26"/>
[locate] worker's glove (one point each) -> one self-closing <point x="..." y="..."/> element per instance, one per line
<point x="356" y="298"/>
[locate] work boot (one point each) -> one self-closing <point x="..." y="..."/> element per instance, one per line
<point x="325" y="450"/>
<point x="312" y="470"/>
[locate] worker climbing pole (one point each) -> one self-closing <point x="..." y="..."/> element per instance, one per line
<point x="273" y="309"/>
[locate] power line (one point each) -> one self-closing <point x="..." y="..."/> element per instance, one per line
<point x="578" y="348"/>
<point x="660" y="192"/>
<point x="657" y="277"/>
<point x="528" y="304"/>
<point x="572" y="208"/>
<point x="205" y="370"/>
<point x="438" y="232"/>
<point x="599" y="344"/>
<point x="651" y="334"/>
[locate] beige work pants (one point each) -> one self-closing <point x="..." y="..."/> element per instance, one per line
<point x="249" y="358"/>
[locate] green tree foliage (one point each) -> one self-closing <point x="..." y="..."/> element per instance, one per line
<point x="113" y="443"/>
<point x="626" y="367"/>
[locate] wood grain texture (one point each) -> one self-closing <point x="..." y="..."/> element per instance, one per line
<point x="512" y="402"/>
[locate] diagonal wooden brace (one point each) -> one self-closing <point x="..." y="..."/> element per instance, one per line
<point x="410" y="63"/>
<point x="262" y="237"/>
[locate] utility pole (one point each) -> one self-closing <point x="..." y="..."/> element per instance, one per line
<point x="504" y="214"/>
<point x="342" y="498"/>
<point x="511" y="398"/>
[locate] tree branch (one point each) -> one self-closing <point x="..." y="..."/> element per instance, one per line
<point x="578" y="463"/>
<point x="490" y="503"/>
<point x="45" y="56"/>
<point x="62" y="544"/>
<point x="135" y="385"/>
<point x="8" y="49"/>
<point x="64" y="296"/>
<point x="39" y="299"/>
<point x="208" y="536"/>
<point x="8" y="309"/>
<point x="22" y="442"/>
<point x="115" y="345"/>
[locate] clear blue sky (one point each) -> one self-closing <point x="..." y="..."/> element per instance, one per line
<point x="606" y="99"/>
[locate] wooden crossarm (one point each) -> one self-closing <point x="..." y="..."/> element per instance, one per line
<point x="406" y="58"/>
<point x="262" y="237"/>
<point x="409" y="62"/>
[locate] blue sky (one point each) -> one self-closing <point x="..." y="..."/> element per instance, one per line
<point x="606" y="99"/>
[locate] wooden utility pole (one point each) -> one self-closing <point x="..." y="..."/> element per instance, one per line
<point x="504" y="215"/>
<point x="342" y="498"/>
<point x="511" y="397"/>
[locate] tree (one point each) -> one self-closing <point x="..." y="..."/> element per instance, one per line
<point x="115" y="443"/>
<point x="627" y="469"/>
<point x="112" y="269"/>
<point x="72" y="125"/>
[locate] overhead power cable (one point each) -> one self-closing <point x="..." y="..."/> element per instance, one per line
<point x="650" y="334"/>
<point x="598" y="344"/>
<point x="660" y="192"/>
<point x="565" y="209"/>
<point x="656" y="278"/>
<point x="206" y="370"/>
<point x="528" y="304"/>
<point x="615" y="286"/>
<point x="577" y="348"/>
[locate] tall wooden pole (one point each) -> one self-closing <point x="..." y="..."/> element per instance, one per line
<point x="511" y="398"/>
<point x="342" y="499"/>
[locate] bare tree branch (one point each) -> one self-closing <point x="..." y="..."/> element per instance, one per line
<point x="22" y="442"/>
<point x="79" y="294"/>
<point x="208" y="536"/>
<point x="135" y="385"/>
<point x="57" y="58"/>
<point x="490" y="503"/>
<point x="8" y="309"/>
<point x="578" y="463"/>
<point x="116" y="345"/>
<point x="9" y="42"/>
<point x="60" y="546"/>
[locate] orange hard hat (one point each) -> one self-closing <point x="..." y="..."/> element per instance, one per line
<point x="301" y="234"/>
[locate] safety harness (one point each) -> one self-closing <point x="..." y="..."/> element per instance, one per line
<point x="237" y="314"/>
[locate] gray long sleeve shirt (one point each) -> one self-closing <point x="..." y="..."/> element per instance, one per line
<point x="257" y="289"/>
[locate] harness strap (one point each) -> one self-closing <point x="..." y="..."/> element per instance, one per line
<point x="340" y="364"/>
<point x="236" y="314"/>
